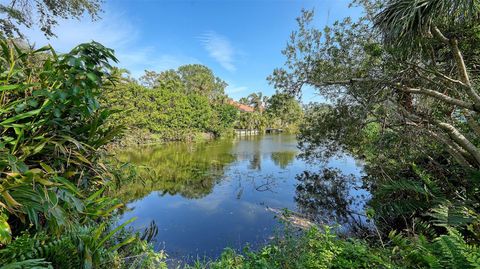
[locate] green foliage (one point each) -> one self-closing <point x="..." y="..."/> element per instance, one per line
<point x="391" y="80"/>
<point x="402" y="95"/>
<point x="81" y="247"/>
<point x="176" y="105"/>
<point x="25" y="13"/>
<point x="251" y="120"/>
<point x="187" y="79"/>
<point x="224" y="118"/>
<point x="5" y="231"/>
<point x="446" y="251"/>
<point x="313" y="249"/>
<point x="323" y="249"/>
<point x="28" y="264"/>
<point x="255" y="100"/>
<point x="386" y="105"/>
<point x="284" y="112"/>
<point x="53" y="208"/>
<point x="405" y="20"/>
<point x="280" y="111"/>
<point x="51" y="126"/>
<point x="189" y="170"/>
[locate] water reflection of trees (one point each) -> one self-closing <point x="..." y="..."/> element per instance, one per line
<point x="326" y="196"/>
<point x="256" y="161"/>
<point x="188" y="170"/>
<point x="283" y="158"/>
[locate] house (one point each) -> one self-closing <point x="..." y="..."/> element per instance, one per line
<point x="241" y="107"/>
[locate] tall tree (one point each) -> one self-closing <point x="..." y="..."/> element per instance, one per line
<point x="150" y="79"/>
<point x="256" y="100"/>
<point x="285" y="109"/>
<point x="408" y="73"/>
<point x="191" y="78"/>
<point x="200" y="79"/>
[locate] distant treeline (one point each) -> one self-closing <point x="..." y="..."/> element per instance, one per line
<point x="189" y="103"/>
<point x="172" y="105"/>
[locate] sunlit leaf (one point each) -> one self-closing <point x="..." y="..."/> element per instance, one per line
<point x="5" y="231"/>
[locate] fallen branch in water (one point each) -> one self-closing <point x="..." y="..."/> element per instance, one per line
<point x="294" y="218"/>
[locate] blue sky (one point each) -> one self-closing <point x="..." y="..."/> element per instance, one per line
<point x="240" y="40"/>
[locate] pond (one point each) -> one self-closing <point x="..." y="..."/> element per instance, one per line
<point x="205" y="197"/>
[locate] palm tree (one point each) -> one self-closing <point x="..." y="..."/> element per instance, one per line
<point x="256" y="100"/>
<point x="406" y="24"/>
<point x="402" y="21"/>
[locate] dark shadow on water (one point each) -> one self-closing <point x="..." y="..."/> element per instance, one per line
<point x="330" y="197"/>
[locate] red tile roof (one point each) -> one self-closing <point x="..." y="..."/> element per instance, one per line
<point x="241" y="107"/>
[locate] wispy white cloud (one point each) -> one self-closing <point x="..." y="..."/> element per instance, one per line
<point x="236" y="91"/>
<point x="233" y="89"/>
<point x="115" y="31"/>
<point x="147" y="58"/>
<point x="220" y="49"/>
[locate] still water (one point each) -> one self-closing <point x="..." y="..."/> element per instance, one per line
<point x="209" y="196"/>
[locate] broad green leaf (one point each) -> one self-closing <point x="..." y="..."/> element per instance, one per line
<point x="111" y="233"/>
<point x="21" y="116"/>
<point x="123" y="243"/>
<point x="42" y="49"/>
<point x="9" y="87"/>
<point x="9" y="199"/>
<point x="5" y="231"/>
<point x="92" y="77"/>
<point x="45" y="182"/>
<point x="69" y="185"/>
<point x="30" y="264"/>
<point x="47" y="168"/>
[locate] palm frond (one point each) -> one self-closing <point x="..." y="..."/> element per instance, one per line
<point x="402" y="21"/>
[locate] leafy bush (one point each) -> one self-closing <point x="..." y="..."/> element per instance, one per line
<point x="313" y="249"/>
<point x="322" y="249"/>
<point x="53" y="212"/>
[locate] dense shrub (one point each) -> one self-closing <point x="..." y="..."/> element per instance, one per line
<point x="52" y="181"/>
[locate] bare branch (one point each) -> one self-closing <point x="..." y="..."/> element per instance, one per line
<point x="447" y="78"/>
<point x="342" y="82"/>
<point x="452" y="148"/>
<point x="460" y="139"/>
<point x="461" y="142"/>
<point x="437" y="73"/>
<point x="459" y="62"/>
<point x="439" y="35"/>
<point x="462" y="69"/>
<point x="439" y="96"/>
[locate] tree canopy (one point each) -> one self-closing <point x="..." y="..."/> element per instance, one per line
<point x="173" y="104"/>
<point x="284" y="111"/>
<point x="189" y="79"/>
<point x="45" y="13"/>
<point x="426" y="90"/>
<point x="401" y="90"/>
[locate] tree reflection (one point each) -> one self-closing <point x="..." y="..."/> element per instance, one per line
<point x="256" y="161"/>
<point x="283" y="159"/>
<point x="328" y="196"/>
<point x="178" y="168"/>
